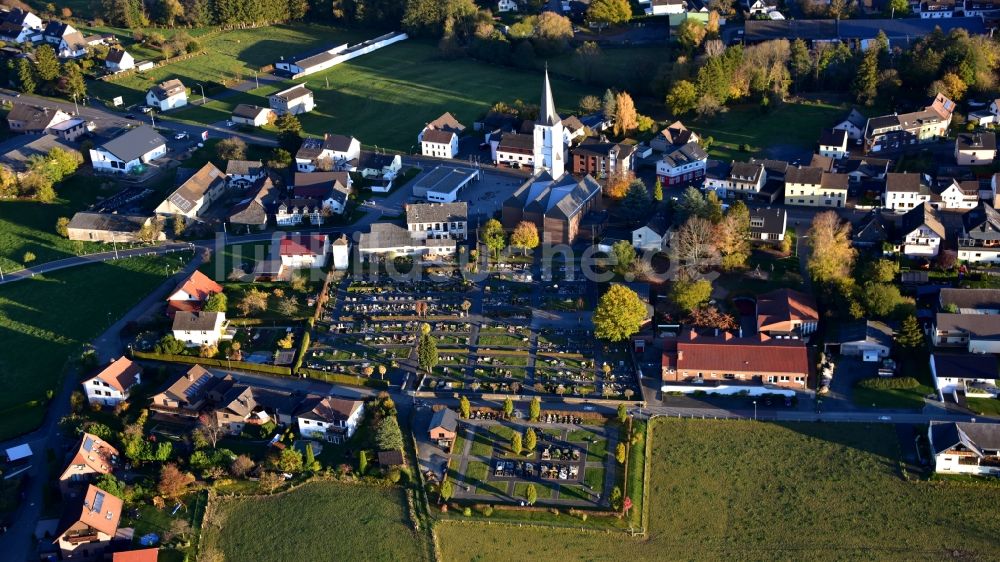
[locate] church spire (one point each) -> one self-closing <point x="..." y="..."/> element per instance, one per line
<point x="547" y="113"/>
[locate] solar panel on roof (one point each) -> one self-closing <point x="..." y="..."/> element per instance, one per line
<point x="195" y="386"/>
<point x="98" y="501"/>
<point x="88" y="444"/>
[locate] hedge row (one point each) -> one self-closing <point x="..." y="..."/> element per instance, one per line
<point x="344" y="379"/>
<point x="205" y="362"/>
<point x="889" y="383"/>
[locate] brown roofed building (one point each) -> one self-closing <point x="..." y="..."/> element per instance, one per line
<point x="112" y="384"/>
<point x="728" y="359"/>
<point x="195" y="195"/>
<point x="93" y="457"/>
<point x="34" y="119"/>
<point x="785" y="313"/>
<point x="89" y="524"/>
<point x="329" y="418"/>
<point x="556" y="207"/>
<point x="187" y="395"/>
<point x="602" y="159"/>
<point x="253" y="210"/>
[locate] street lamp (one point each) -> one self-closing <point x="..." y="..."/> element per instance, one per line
<point x="202" y="93"/>
<point x="255" y="79"/>
<point x="754" y="410"/>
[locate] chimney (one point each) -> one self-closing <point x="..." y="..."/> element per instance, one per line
<point x="741" y="331"/>
<point x="727" y="336"/>
<point x="680" y="355"/>
<point x="189" y="376"/>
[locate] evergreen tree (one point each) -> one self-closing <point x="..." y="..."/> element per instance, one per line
<point x="865" y="85"/>
<point x="535" y="409"/>
<point x="362" y="463"/>
<point x="427" y="353"/>
<point x="46" y="63"/>
<point x="25" y="77"/>
<point x="515" y="443"/>
<point x="464" y="408"/>
<point x="530" y="440"/>
<point x="508" y="407"/>
<point x="911" y="336"/>
<point x="609" y="106"/>
<point x="531" y="494"/>
<point x="71" y="83"/>
<point x="658" y="190"/>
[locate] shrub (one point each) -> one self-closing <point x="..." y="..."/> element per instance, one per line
<point x="893" y="383"/>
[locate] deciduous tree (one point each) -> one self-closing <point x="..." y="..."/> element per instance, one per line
<point x="626" y="117"/>
<point x="494" y="237"/>
<point x="687" y="295"/>
<point x="619" y="314"/>
<point x="525" y="236"/>
<point x="683" y="98"/>
<point x="173" y="483"/>
<point x="832" y="255"/>
<point x="609" y="12"/>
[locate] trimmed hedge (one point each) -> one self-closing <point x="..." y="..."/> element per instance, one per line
<point x="890" y="383"/>
<point x="221" y="363"/>
<point x="344" y="379"/>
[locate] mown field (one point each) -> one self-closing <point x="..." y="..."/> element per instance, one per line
<point x="724" y="490"/>
<point x="46" y="320"/>
<point x="317" y="521"/>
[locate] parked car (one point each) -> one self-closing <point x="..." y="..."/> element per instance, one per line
<point x="145" y="108"/>
<point x="180" y="136"/>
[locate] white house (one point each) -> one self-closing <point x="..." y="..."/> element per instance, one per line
<point x="119" y="60"/>
<point x="746" y="179"/>
<point x="968" y="374"/>
<point x="965" y="448"/>
<point x="18" y="26"/>
<point x="113" y="383"/>
<point x="331" y="189"/>
<point x="334" y="152"/>
<point x="667" y="7"/>
<point x="995" y="107"/>
<point x="814" y="187"/>
<point x="167" y="95"/>
<point x="244" y="173"/>
<point x="194" y="196"/>
<point x="959" y="195"/>
<point x="295" y="100"/>
<point x="905" y="191"/>
<point x="378" y="166"/>
<point x="72" y="46"/>
<point x="833" y="143"/>
<point x="767" y="224"/>
<point x="854" y="125"/>
<point x="506" y="6"/>
<point x="975" y="149"/>
<point x="976" y="333"/>
<point x="759" y="7"/>
<point x="304" y="251"/>
<point x="651" y="237"/>
<point x="439" y="144"/>
<point x="937" y="9"/>
<point x="979" y="241"/>
<point x="922" y="231"/>
<point x="341" y="250"/>
<point x="329" y="418"/>
<point x="869" y="340"/>
<point x="199" y="328"/>
<point x="128" y="152"/>
<point x="686" y="164"/>
<point x="252" y="115"/>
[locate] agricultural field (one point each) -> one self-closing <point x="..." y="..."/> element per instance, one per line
<point x="831" y="492"/>
<point x="317" y="521"/>
<point x="46" y="320"/>
<point x="788" y="131"/>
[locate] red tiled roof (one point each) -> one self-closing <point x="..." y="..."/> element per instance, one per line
<point x="94" y="453"/>
<point x="199" y="286"/>
<point x="303" y="245"/>
<point x="777" y="308"/>
<point x="142" y="555"/>
<point x="121" y="374"/>
<point x="737" y="355"/>
<point x="173" y="307"/>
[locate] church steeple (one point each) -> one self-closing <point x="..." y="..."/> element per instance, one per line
<point x="547" y="113"/>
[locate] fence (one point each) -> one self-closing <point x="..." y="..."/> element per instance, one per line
<point x="212" y="362"/>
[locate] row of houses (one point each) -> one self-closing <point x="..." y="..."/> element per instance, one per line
<point x="22" y="26"/>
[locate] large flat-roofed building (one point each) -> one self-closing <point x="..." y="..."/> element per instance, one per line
<point x="443" y="184"/>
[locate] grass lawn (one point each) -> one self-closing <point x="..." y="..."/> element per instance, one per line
<point x="984" y="406"/>
<point x="383" y="98"/>
<point x="232" y="256"/>
<point x="153" y="520"/>
<point x="45" y="320"/>
<point x="832" y="492"/>
<point x="779" y="272"/>
<point x="29" y="226"/>
<point x="317" y="521"/>
<point x="791" y="127"/>
<point x="901" y="398"/>
<point x="544" y="491"/>
<point x="594" y="478"/>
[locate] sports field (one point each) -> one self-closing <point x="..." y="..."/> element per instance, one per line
<point x="725" y="490"/>
<point x="44" y="321"/>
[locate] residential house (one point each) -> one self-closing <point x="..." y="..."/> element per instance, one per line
<point x="192" y="293"/>
<point x="341" y="251"/>
<point x="71" y="130"/>
<point x="303" y="251"/>
<point x="977" y="333"/>
<point x="768" y="225"/>
<point x="958" y="195"/>
<point x="506" y="6"/>
<point x="975" y="149"/>
<point x="653" y="236"/>
<point x="187" y="396"/>
<point x="870" y="231"/>
<point x="386" y="238"/>
<point x="330" y="189"/>
<point x="695" y="358"/>
<point x="717" y="177"/>
<point x="759" y="7"/>
<point x="119" y="60"/>
<point x="787" y="314"/>
<point x="295" y="100"/>
<point x="329" y="418"/>
<point x="969" y="301"/>
<point x="297" y="210"/>
<point x="334" y="152"/>
<point x="979" y="241"/>
<point x="965" y="375"/>
<point x="193" y="197"/>
<point x="138" y="555"/>
<point x="682" y="166"/>
<point x="88" y="524"/>
<point x="833" y="143"/>
<point x="439" y="138"/>
<point x="965" y="448"/>
<point x="672" y="137"/>
<point x="893" y="132"/>
<point x="55" y="30"/>
<point x="443" y="428"/>
<point x="199" y="328"/>
<point x="113" y="383"/>
<point x="980" y="8"/>
<point x="93" y="457"/>
<point x="746" y="179"/>
<point x="34" y="119"/>
<point x="667" y="7"/>
<point x="438" y="220"/>
<point x="22" y="149"/>
<point x="514" y="150"/>
<point x="234" y="406"/>
<point x="19" y="26"/>
<point x="602" y="159"/>
<point x="254" y="209"/>
<point x="378" y="167"/>
<point x="868" y="339"/>
<point x="167" y="95"/>
<point x="574" y="129"/>
<point x="244" y="173"/>
<point x="922" y="232"/>
<point x="866" y="168"/>
<point x="557" y="207"/>
<point x="252" y="115"/>
<point x="815" y="188"/>
<point x="824" y="163"/>
<point x="936" y="9"/>
<point x="72" y="46"/>
<point x="111" y="227"/>
<point x="904" y="191"/>
<point x="129" y="151"/>
<point x="853" y="124"/>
